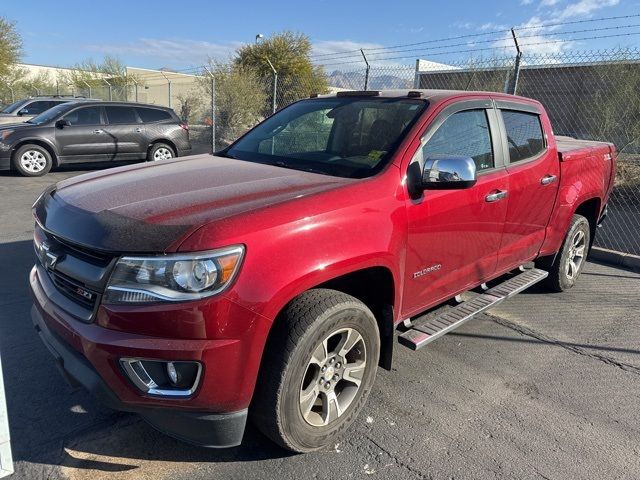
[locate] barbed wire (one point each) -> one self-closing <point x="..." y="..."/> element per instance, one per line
<point x="357" y="52"/>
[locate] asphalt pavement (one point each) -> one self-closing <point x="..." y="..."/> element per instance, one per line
<point x="544" y="386"/>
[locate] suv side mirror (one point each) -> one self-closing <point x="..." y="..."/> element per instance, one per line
<point x="62" y="123"/>
<point x="23" y="111"/>
<point x="441" y="172"/>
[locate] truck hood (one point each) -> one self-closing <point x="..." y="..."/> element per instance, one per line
<point x="152" y="207"/>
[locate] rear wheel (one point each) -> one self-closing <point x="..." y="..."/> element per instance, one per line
<point x="160" y="151"/>
<point x="32" y="161"/>
<point x="570" y="260"/>
<point x="318" y="369"/>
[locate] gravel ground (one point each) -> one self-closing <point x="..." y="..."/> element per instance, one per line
<point x="544" y="386"/>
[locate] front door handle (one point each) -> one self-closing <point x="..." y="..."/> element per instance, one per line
<point x="138" y="130"/>
<point x="548" y="179"/>
<point x="98" y="131"/>
<point x="495" y="196"/>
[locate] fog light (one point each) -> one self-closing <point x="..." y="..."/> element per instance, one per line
<point x="174" y="376"/>
<point x="163" y="378"/>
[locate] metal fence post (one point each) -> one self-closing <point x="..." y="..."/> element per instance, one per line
<point x="57" y="87"/>
<point x="213" y="110"/>
<point x="88" y="86"/>
<point x="169" y="87"/>
<point x="135" y="86"/>
<point x="416" y="75"/>
<point x="513" y="83"/>
<point x="275" y="86"/>
<point x="13" y="97"/>
<point x="110" y="92"/>
<point x="366" y="75"/>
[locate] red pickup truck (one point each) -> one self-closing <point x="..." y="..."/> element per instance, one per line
<point x="273" y="278"/>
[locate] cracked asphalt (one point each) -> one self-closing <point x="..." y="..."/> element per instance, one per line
<point x="544" y="386"/>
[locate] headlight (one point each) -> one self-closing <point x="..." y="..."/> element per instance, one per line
<point x="173" y="278"/>
<point x="5" y="133"/>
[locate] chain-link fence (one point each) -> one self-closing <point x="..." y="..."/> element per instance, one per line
<point x="588" y="95"/>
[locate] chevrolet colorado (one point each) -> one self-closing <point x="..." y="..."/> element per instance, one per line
<point x="272" y="279"/>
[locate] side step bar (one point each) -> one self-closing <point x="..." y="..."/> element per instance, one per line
<point x="420" y="335"/>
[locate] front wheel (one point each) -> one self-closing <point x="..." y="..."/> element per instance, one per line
<point x="570" y="260"/>
<point x="32" y="161"/>
<point x="318" y="369"/>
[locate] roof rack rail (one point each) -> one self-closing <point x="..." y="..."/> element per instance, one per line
<point x="358" y="93"/>
<point x="414" y="94"/>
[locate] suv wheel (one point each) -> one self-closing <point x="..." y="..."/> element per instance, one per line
<point x="318" y="369"/>
<point x="32" y="161"/>
<point x="570" y="260"/>
<point x="160" y="151"/>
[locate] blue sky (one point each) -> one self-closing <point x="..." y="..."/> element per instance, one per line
<point x="159" y="33"/>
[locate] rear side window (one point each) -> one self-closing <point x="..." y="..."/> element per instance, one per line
<point x="463" y="134"/>
<point x="120" y="115"/>
<point x="148" y="115"/>
<point x="524" y="134"/>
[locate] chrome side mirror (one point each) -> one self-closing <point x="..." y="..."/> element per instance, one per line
<point x="447" y="172"/>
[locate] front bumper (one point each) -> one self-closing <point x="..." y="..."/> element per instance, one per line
<point x="200" y="428"/>
<point x="88" y="355"/>
<point x="5" y="158"/>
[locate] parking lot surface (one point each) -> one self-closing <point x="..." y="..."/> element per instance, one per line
<point x="544" y="386"/>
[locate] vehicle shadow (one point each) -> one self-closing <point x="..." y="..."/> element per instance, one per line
<point x="51" y="424"/>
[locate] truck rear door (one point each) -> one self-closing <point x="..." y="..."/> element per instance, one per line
<point x="534" y="176"/>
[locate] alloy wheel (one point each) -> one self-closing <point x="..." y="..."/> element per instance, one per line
<point x="33" y="161"/>
<point x="576" y="254"/>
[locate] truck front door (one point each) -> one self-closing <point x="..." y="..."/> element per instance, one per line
<point x="454" y="235"/>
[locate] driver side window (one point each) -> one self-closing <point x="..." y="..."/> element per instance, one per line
<point x="464" y="134"/>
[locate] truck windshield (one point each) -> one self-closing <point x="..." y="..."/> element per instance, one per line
<point x="351" y="137"/>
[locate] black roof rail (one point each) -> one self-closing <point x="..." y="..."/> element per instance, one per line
<point x="358" y="93"/>
<point x="414" y="94"/>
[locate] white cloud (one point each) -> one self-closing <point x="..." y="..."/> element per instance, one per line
<point x="526" y="2"/>
<point x="548" y="3"/>
<point x="328" y="47"/>
<point x="181" y="51"/>
<point x="583" y="8"/>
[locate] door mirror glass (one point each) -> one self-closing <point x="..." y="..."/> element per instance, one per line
<point x="448" y="172"/>
<point x="23" y="111"/>
<point x="62" y="123"/>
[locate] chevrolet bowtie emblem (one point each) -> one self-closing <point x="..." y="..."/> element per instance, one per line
<point x="50" y="258"/>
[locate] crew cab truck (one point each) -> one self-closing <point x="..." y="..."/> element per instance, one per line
<point x="272" y="279"/>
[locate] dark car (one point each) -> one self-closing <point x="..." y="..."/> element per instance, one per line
<point x="27" y="108"/>
<point x="92" y="131"/>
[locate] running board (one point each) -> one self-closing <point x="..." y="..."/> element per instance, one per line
<point x="420" y="335"/>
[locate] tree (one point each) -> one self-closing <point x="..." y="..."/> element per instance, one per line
<point x="289" y="53"/>
<point x="90" y="74"/>
<point x="10" y="46"/>
<point x="240" y="99"/>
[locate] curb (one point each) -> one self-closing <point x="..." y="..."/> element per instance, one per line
<point x="613" y="257"/>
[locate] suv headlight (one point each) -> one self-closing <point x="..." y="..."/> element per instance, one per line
<point x="173" y="278"/>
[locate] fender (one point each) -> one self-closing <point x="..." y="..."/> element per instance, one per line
<point x="37" y="140"/>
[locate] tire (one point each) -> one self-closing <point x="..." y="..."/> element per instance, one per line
<point x="296" y="365"/>
<point x="32" y="161"/>
<point x="565" y="270"/>
<point x="160" y="151"/>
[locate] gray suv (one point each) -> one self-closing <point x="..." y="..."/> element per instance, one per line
<point x="92" y="131"/>
<point x="27" y="108"/>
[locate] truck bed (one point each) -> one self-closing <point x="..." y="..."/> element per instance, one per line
<point x="571" y="148"/>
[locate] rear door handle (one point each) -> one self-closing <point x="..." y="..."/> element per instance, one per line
<point x="98" y="131"/>
<point x="138" y="130"/>
<point x="496" y="196"/>
<point x="548" y="179"/>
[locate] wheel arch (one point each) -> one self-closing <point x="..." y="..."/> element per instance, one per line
<point x="590" y="209"/>
<point x="374" y="286"/>
<point x="165" y="141"/>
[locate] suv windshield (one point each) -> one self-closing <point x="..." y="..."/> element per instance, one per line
<point x="13" y="106"/>
<point x="350" y="137"/>
<point x="51" y="114"/>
